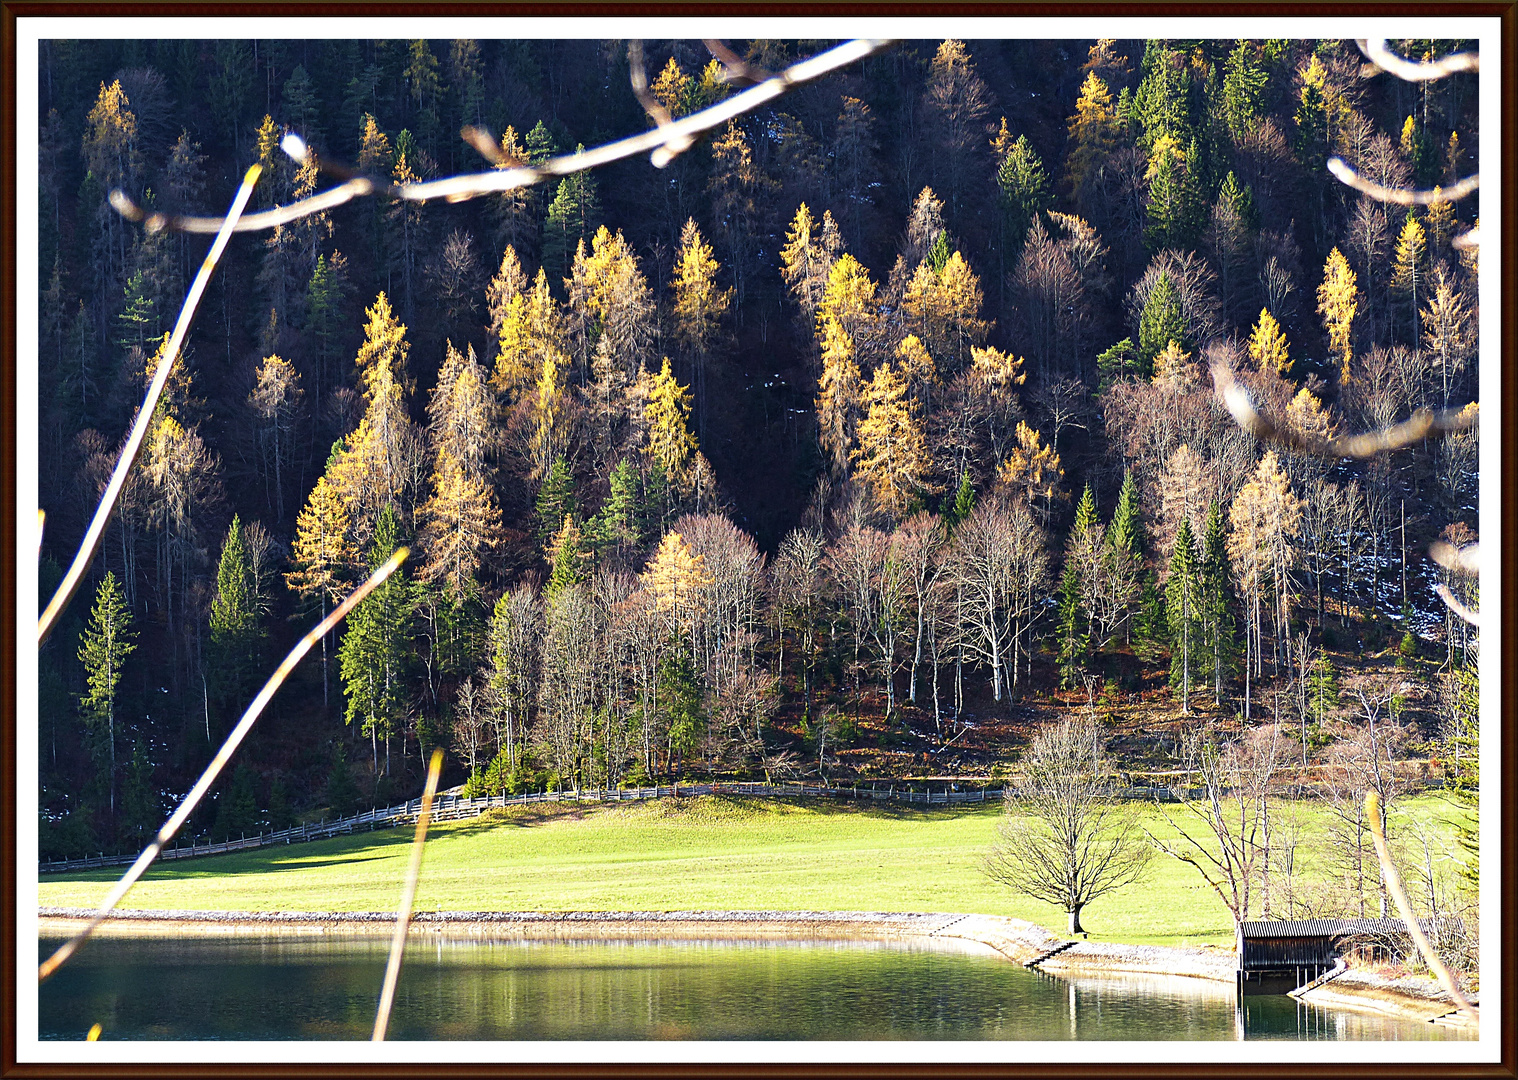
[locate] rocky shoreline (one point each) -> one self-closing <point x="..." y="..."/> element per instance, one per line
<point x="1015" y="939"/>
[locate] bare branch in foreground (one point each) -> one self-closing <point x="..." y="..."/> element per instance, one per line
<point x="469" y="186"/>
<point x="1401" y="196"/>
<point x="1453" y="603"/>
<point x="1422" y="424"/>
<point x="738" y="69"/>
<point x="1467" y="240"/>
<point x="408" y="897"/>
<point x="219" y="762"/>
<point x="1465" y="560"/>
<point x="1394" y="886"/>
<point x="1376" y="51"/>
<point x="86" y="554"/>
<point x="638" y="74"/>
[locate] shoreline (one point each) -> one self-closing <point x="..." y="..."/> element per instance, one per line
<point x="1016" y="940"/>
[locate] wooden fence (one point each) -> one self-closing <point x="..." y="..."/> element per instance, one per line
<point x="450" y="806"/>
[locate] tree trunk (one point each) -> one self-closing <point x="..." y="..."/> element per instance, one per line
<point x="1075" y="919"/>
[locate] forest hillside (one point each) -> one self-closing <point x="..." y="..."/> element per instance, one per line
<point x="872" y="432"/>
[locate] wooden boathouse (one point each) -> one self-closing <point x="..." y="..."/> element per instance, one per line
<point x="1277" y="956"/>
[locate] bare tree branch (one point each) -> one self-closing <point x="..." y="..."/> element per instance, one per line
<point x="1422" y="424"/>
<point x="469" y="186"/>
<point x="1394" y="886"/>
<point x="675" y="145"/>
<point x="1376" y="51"/>
<point x="408" y="898"/>
<point x="1402" y="196"/>
<point x="1465" y="560"/>
<point x="738" y="69"/>
<point x="1472" y="617"/>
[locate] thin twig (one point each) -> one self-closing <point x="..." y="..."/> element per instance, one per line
<point x="460" y="188"/>
<point x="86" y="554"/>
<point x="1402" y="196"/>
<point x="638" y="76"/>
<point x="1394" y="886"/>
<point x="228" y="748"/>
<point x="737" y="68"/>
<point x="408" y="897"/>
<point x="1464" y="560"/>
<point x="1377" y="53"/>
<point x="1453" y="603"/>
<point x="1422" y="424"/>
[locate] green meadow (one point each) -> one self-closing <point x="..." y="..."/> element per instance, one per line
<point x="705" y="853"/>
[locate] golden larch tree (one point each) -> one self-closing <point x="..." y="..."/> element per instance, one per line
<point x="892" y="455"/>
<point x="1337" y="303"/>
<point x="670" y="441"/>
<point x="838" y="396"/>
<point x="1267" y="345"/>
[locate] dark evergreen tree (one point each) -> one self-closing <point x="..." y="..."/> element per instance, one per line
<point x="1160" y="323"/>
<point x="1218" y="658"/>
<point x="234" y="658"/>
<point x="376" y="650"/>
<point x="1183" y="611"/>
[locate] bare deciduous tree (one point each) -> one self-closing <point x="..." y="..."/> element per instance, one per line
<point x="1223" y="832"/>
<point x="1064" y="839"/>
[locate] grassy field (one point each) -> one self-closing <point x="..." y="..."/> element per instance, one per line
<point x="707" y="853"/>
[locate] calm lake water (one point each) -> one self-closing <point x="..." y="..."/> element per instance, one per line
<point x="326" y="988"/>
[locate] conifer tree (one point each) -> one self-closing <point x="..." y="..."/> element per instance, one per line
<point x="1218" y="657"/>
<point x="1070" y="629"/>
<point x="1160" y="323"/>
<point x="233" y="657"/>
<point x="617" y="526"/>
<point x="1123" y="552"/>
<point x="1409" y="268"/>
<point x="381" y="358"/>
<point x="107" y="641"/>
<point x="1267" y="345"/>
<point x="322" y="554"/>
<point x="1174" y="199"/>
<point x="556" y="500"/>
<point x="1312" y="114"/>
<point x="676" y="577"/>
<point x="461" y="524"/>
<point x="375" y="655"/>
<point x="1080" y="589"/>
<point x="1244" y="81"/>
<point x="670" y="441"/>
<point x="1337" y="303"/>
<point x="545" y="445"/>
<point x="958" y="506"/>
<point x="568" y="559"/>
<point x="838" y="397"/>
<point x="807" y="259"/>
<point x="573" y="217"/>
<point x="1023" y="184"/>
<point x="1183" y="611"/>
<point x="892" y="455"/>
<point x="699" y="305"/>
<point x="1094" y="131"/>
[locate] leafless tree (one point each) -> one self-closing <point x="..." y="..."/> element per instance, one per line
<point x="1224" y="831"/>
<point x="1064" y="838"/>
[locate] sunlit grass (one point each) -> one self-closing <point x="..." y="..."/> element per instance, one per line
<point x="708" y="853"/>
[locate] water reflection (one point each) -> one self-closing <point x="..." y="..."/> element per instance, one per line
<point x="269" y="987"/>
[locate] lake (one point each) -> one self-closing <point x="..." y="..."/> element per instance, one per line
<point x="325" y="988"/>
